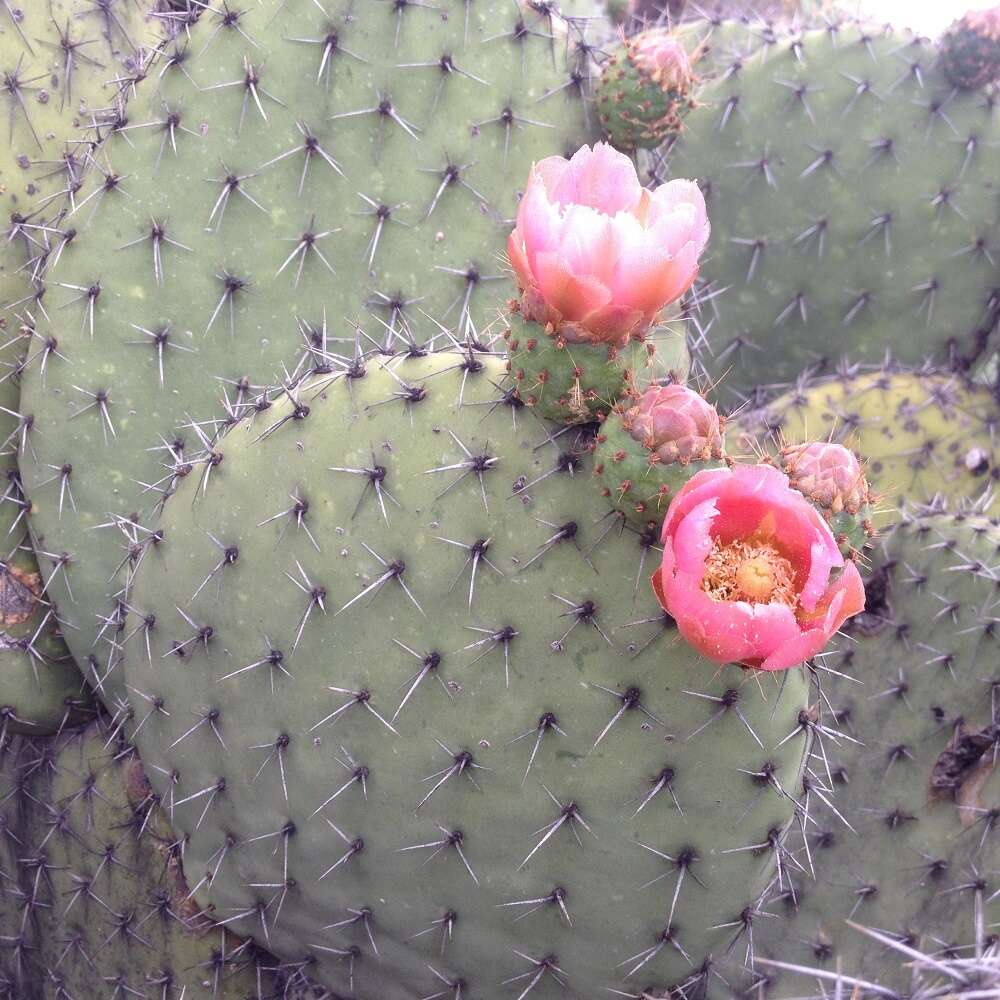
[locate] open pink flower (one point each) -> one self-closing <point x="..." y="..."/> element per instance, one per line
<point x="596" y="254"/>
<point x="751" y="572"/>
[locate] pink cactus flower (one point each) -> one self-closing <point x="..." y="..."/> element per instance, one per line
<point x="676" y="423"/>
<point x="751" y="572"/>
<point x="598" y="256"/>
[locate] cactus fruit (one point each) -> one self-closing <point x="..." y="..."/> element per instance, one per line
<point x="96" y="904"/>
<point x="359" y="138"/>
<point x="900" y="830"/>
<point x="644" y="90"/>
<point x="854" y="204"/>
<point x="925" y="435"/>
<point x="403" y="680"/>
<point x="578" y="383"/>
<point x="650" y="445"/>
<point x="970" y="49"/>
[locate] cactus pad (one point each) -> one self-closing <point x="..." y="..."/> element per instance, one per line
<point x="851" y="192"/>
<point x="419" y="711"/>
<point x="95" y="903"/>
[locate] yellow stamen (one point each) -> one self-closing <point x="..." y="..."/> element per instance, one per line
<point x="751" y="571"/>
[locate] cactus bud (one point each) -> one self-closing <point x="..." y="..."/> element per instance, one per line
<point x="828" y="474"/>
<point x="970" y="50"/>
<point x="644" y="90"/>
<point x="676" y="424"/>
<point x="831" y="478"/>
<point x="650" y="446"/>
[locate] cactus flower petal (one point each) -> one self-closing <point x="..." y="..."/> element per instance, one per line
<point x="592" y="250"/>
<point x="751" y="572"/>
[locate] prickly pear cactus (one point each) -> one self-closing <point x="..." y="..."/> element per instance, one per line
<point x="900" y="820"/>
<point x="95" y="900"/>
<point x="925" y="436"/>
<point x="852" y="195"/>
<point x="833" y="479"/>
<point x="651" y="444"/>
<point x="644" y="90"/>
<point x="720" y="46"/>
<point x="320" y="156"/>
<point x="399" y="678"/>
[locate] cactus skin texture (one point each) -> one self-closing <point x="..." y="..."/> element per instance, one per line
<point x="579" y="383"/>
<point x="720" y="46"/>
<point x="95" y="903"/>
<point x="461" y="639"/>
<point x="926" y="436"/>
<point x="917" y="688"/>
<point x="970" y="49"/>
<point x="376" y="152"/>
<point x="853" y="209"/>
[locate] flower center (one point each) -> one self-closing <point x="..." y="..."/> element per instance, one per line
<point x="749" y="571"/>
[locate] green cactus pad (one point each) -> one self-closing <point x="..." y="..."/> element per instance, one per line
<point x="410" y="666"/>
<point x="916" y="689"/>
<point x="852" y="197"/>
<point x="64" y="68"/>
<point x="925" y="436"/>
<point x="63" y="64"/>
<point x="298" y="187"/>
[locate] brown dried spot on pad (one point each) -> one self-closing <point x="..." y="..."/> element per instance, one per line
<point x="962" y="769"/>
<point x="19" y="593"/>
